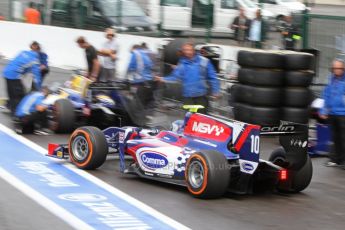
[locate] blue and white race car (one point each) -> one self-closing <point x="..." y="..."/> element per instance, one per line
<point x="208" y="155"/>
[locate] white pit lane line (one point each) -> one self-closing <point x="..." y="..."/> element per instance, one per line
<point x="64" y="214"/>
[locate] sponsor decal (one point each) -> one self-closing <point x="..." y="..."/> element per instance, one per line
<point x="153" y="160"/>
<point x="82" y="197"/>
<point x="47" y="175"/>
<point x="206" y="127"/>
<point x="247" y="166"/>
<point x="298" y="143"/>
<point x="281" y="128"/>
<point x="105" y="211"/>
<point x="59" y="154"/>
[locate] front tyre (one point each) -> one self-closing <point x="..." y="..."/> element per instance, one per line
<point x="88" y="147"/>
<point x="207" y="174"/>
<point x="63" y="116"/>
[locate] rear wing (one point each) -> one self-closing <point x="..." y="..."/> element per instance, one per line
<point x="293" y="137"/>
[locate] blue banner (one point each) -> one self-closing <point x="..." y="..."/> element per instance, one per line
<point x="87" y="201"/>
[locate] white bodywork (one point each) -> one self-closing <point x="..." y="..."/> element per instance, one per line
<point x="178" y="17"/>
<point x="283" y="7"/>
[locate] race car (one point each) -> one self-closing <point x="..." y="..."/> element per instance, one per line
<point x="80" y="102"/>
<point x="209" y="155"/>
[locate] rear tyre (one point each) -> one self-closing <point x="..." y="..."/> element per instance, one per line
<point x="297" y="115"/>
<point x="297" y="97"/>
<point x="257" y="96"/>
<point x="63" y="116"/>
<point x="171" y="51"/>
<point x="264" y="116"/>
<point x="173" y="91"/>
<point x="299" y="78"/>
<point x="261" y="59"/>
<point x="299" y="61"/>
<point x="88" y="147"/>
<point x="301" y="178"/>
<point x="261" y="77"/>
<point x="207" y="175"/>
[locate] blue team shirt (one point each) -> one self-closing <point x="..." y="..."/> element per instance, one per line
<point x="28" y="104"/>
<point x="140" y="66"/>
<point x="24" y="62"/>
<point x="334" y="96"/>
<point x="196" y="76"/>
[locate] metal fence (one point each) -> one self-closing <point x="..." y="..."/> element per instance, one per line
<point x="326" y="34"/>
<point x="96" y="15"/>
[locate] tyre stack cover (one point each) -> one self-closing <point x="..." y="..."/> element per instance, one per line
<point x="273" y="86"/>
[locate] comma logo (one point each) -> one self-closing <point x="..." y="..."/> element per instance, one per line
<point x="153" y="160"/>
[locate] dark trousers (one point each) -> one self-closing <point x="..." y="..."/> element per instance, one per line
<point x="44" y="72"/>
<point x="202" y="100"/>
<point x="32" y="121"/>
<point x="15" y="91"/>
<point x="337" y="124"/>
<point x="145" y="93"/>
<point x="257" y="45"/>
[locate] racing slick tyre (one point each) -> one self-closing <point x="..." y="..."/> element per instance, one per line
<point x="258" y="96"/>
<point x="297" y="97"/>
<point x="257" y="115"/>
<point x="260" y="59"/>
<point x="297" y="115"/>
<point x="173" y="91"/>
<point x="300" y="178"/>
<point x="264" y="115"/>
<point x="299" y="78"/>
<point x="171" y="51"/>
<point x="299" y="61"/>
<point x="207" y="174"/>
<point x="63" y="116"/>
<point x="261" y="77"/>
<point x="88" y="147"/>
<point x="242" y="112"/>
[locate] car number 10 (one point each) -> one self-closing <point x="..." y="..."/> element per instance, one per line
<point x="255" y="145"/>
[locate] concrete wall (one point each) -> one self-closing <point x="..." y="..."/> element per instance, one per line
<point x="329" y="2"/>
<point x="59" y="43"/>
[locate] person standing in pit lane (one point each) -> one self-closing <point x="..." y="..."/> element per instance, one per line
<point x="93" y="64"/>
<point x="25" y="62"/>
<point x="334" y="111"/>
<point x="257" y="31"/>
<point x="43" y="58"/>
<point x="140" y="74"/>
<point x="31" y="113"/>
<point x="108" y="56"/>
<point x="198" y="77"/>
<point x="289" y="34"/>
<point x="32" y="15"/>
<point x="241" y="25"/>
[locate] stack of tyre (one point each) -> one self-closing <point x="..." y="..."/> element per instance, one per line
<point x="272" y="87"/>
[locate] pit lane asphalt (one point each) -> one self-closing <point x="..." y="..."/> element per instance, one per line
<point x="320" y="206"/>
